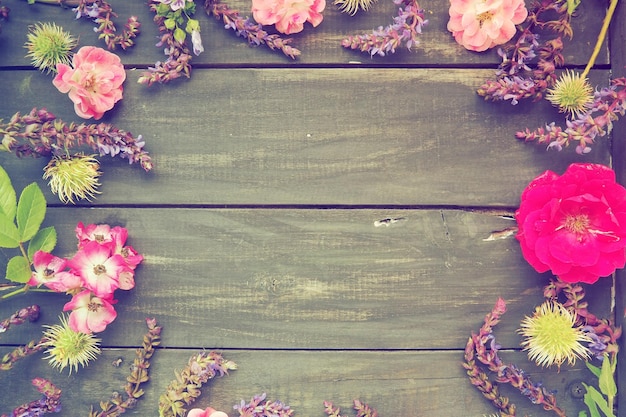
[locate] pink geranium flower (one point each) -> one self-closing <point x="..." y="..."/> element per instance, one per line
<point x="94" y="83"/>
<point x="482" y="24"/>
<point x="574" y="224"/>
<point x="289" y="16"/>
<point x="90" y="314"/>
<point x="99" y="268"/>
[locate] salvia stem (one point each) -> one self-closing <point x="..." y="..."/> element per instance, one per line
<point x="50" y="402"/>
<point x="40" y="133"/>
<point x="138" y="376"/>
<point x="482" y="347"/>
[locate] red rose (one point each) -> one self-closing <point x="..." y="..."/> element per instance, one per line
<point x="575" y="224"/>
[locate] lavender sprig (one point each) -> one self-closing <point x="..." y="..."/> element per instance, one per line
<point x="200" y="369"/>
<point x="482" y="347"/>
<point x="39" y="133"/>
<point x="246" y="28"/>
<point x="259" y="406"/>
<point x="50" y="402"/>
<point x="178" y="62"/>
<point x="139" y="375"/>
<point x="404" y="31"/>
<point x="30" y="313"/>
<point x="21" y="352"/>
<point x="102" y="14"/>
<point x="362" y="409"/>
<point x="608" y="105"/>
<point x="515" y="80"/>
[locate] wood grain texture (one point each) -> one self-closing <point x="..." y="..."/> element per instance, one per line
<point x="403" y="383"/>
<point x="259" y="222"/>
<point x="314" y="137"/>
<point x="315" y="278"/>
<point x="320" y="46"/>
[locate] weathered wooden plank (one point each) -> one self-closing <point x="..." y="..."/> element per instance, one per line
<point x="396" y="383"/>
<point x="321" y="45"/>
<point x="312" y="278"/>
<point x="618" y="64"/>
<point x="315" y="136"/>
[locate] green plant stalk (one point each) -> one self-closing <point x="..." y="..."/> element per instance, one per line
<point x="605" y="27"/>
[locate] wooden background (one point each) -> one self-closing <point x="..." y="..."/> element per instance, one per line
<point x="258" y="223"/>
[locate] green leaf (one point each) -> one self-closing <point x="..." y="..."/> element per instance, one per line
<point x="45" y="240"/>
<point x="606" y="381"/>
<point x="192" y="24"/>
<point x="169" y="23"/>
<point x="180" y="35"/>
<point x="9" y="235"/>
<point x="18" y="270"/>
<point x="594" y="369"/>
<point x="593" y="396"/>
<point x="572" y="5"/>
<point x="8" y="200"/>
<point x="31" y="210"/>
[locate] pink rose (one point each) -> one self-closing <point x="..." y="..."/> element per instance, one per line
<point x="482" y="24"/>
<point x="209" y="412"/>
<point x="94" y="83"/>
<point x="574" y="224"/>
<point x="288" y="15"/>
<point x="90" y="314"/>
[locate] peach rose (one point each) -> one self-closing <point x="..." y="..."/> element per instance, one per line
<point x="482" y="24"/>
<point x="94" y="83"/>
<point x="289" y="16"/>
<point x="209" y="412"/>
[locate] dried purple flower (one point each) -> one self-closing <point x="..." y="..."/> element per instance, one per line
<point x="30" y="313"/>
<point x="259" y="406"/>
<point x="50" y="402"/>
<point x="39" y="133"/>
<point x="404" y="31"/>
<point x="608" y="105"/>
<point x="187" y="387"/>
<point x="102" y="14"/>
<point x="482" y="347"/>
<point x="246" y="28"/>
<point x="138" y="375"/>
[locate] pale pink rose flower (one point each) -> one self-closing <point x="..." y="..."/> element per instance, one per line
<point x="288" y="16"/>
<point x="209" y="412"/>
<point x="46" y="266"/>
<point x="99" y="268"/>
<point x="90" y="314"/>
<point x="93" y="83"/>
<point x="101" y="233"/>
<point x="479" y="25"/>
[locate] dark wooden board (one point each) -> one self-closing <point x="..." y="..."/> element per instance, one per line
<point x="319" y="45"/>
<point x="314" y="137"/>
<point x="314" y="278"/>
<point x="618" y="63"/>
<point x="402" y="383"/>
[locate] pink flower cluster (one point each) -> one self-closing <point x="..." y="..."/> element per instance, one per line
<point x="482" y="24"/>
<point x="288" y="16"/>
<point x="94" y="83"/>
<point x="102" y="264"/>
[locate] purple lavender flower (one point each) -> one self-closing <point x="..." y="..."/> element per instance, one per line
<point x="260" y="407"/>
<point x="404" y="30"/>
